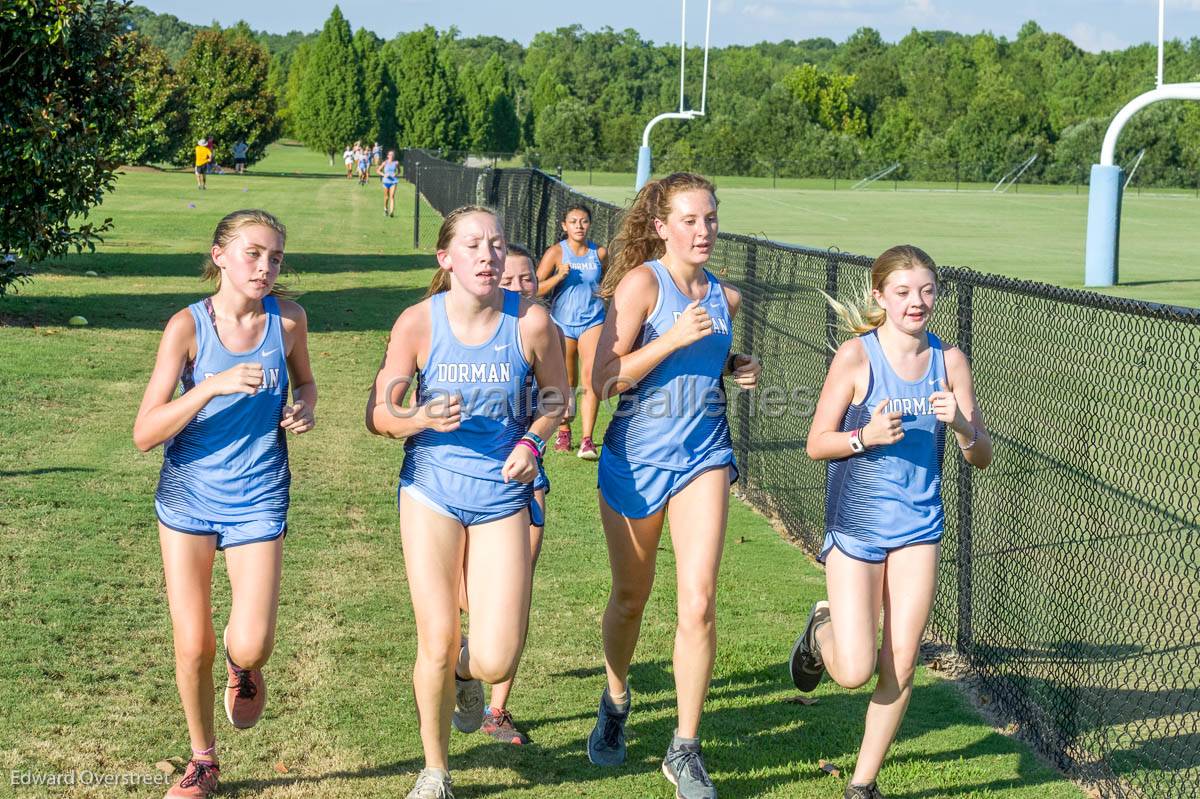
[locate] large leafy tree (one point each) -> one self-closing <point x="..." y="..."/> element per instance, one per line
<point x="68" y="98"/>
<point x="225" y="74"/>
<point x="565" y="136"/>
<point x="330" y="110"/>
<point x="159" y="128"/>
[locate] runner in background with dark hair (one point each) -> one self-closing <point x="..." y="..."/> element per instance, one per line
<point x="570" y="273"/>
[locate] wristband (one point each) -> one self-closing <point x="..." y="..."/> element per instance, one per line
<point x="537" y="440"/>
<point x="856" y="442"/>
<point x="525" y="442"/>
<point x="974" y="438"/>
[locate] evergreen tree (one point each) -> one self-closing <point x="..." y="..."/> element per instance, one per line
<point x="378" y="91"/>
<point x="291" y="90"/>
<point x="427" y="100"/>
<point x="330" y="110"/>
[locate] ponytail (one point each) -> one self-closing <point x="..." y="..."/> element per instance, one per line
<point x="867" y="314"/>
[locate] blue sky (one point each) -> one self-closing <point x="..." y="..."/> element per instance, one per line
<point x="1093" y="24"/>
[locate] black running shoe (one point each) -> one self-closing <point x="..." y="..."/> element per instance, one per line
<point x="806" y="664"/>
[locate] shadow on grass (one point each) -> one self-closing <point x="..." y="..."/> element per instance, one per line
<point x="112" y="264"/>
<point x="754" y="741"/>
<point x="371" y="309"/>
<point x="46" y="470"/>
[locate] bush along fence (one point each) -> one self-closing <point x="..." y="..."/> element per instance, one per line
<point x="1069" y="583"/>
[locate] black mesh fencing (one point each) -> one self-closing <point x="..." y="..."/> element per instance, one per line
<point x="1069" y="583"/>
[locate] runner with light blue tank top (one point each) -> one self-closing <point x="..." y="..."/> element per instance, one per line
<point x="667" y="453"/>
<point x="576" y="307"/>
<point x="226" y="472"/>
<point x="217" y="402"/>
<point x="672" y="426"/>
<point x="458" y="472"/>
<point x="473" y="446"/>
<point x="569" y="274"/>
<point x="520" y="276"/>
<point x="388" y="171"/>
<point x="891" y="496"/>
<point x="891" y="394"/>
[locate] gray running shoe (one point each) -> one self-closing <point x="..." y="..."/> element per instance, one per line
<point x="868" y="791"/>
<point x="606" y="744"/>
<point x="684" y="767"/>
<point x="468" y="705"/>
<point x="432" y="783"/>
<point x="806" y="665"/>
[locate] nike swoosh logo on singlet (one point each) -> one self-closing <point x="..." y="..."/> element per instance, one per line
<point x="268" y="353"/>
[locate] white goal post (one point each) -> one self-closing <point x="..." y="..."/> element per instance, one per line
<point x="643" y="167"/>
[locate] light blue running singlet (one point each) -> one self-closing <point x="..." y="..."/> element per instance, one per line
<point x="462" y="468"/>
<point x="230" y="463"/>
<point x="576" y="306"/>
<point x="675" y="417"/>
<point x="890" y="496"/>
<point x="389" y="173"/>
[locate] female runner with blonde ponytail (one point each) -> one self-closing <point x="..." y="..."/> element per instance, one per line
<point x="881" y="421"/>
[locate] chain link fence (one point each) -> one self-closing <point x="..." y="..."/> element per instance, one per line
<point x="1042" y="175"/>
<point x="1069" y="583"/>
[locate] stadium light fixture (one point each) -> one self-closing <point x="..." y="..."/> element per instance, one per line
<point x="1106" y="185"/>
<point x="643" y="168"/>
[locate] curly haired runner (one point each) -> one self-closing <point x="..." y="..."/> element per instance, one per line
<point x="881" y="422"/>
<point x="665" y="345"/>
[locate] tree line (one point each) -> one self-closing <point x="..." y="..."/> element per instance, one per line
<point x="944" y="105"/>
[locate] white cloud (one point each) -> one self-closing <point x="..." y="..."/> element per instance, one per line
<point x="763" y="11"/>
<point x="1089" y="38"/>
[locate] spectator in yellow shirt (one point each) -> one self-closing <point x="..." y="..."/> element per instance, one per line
<point x="203" y="159"/>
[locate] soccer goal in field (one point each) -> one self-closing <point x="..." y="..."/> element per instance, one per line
<point x="643" y="167"/>
<point x="1107" y="179"/>
<point x="880" y="175"/>
<point x="1013" y="175"/>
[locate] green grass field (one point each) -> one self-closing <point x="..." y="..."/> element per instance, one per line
<point x="1036" y="233"/>
<point x="86" y="671"/>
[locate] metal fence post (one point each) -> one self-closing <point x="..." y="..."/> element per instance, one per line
<point x="417" y="207"/>
<point x="831" y="284"/>
<point x="543" y="213"/>
<point x="965" y="640"/>
<point x="747" y="316"/>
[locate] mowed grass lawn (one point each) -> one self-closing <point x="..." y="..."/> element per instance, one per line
<point x="1034" y="233"/>
<point x="86" y="668"/>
